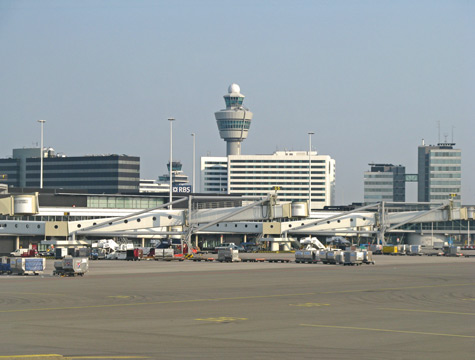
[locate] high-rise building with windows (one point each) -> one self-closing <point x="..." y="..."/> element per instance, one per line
<point x="258" y="175"/>
<point x="439" y="173"/>
<point x="385" y="182"/>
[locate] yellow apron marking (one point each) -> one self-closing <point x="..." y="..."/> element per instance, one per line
<point x="387" y="330"/>
<point x="221" y="319"/>
<point x="231" y="298"/>
<point x="428" y="311"/>
<point x="120" y="296"/>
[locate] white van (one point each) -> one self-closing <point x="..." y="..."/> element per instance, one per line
<point x="19" y="252"/>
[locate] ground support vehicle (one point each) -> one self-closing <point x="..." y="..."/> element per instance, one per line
<point x="452" y="251"/>
<point x="70" y="266"/>
<point x="389" y="250"/>
<point x="228" y="255"/>
<point x="19" y="252"/>
<point x="26" y="266"/>
<point x="310" y="256"/>
<point x="201" y="258"/>
<point x="353" y="258"/>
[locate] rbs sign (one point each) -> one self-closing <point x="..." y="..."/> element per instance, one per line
<point x="183" y="189"/>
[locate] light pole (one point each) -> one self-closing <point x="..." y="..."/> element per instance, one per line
<point x="193" y="177"/>
<point x="310" y="171"/>
<point x="42" y="122"/>
<point x="171" y="161"/>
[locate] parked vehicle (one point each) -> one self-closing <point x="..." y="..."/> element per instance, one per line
<point x="231" y="246"/>
<point x="19" y="252"/>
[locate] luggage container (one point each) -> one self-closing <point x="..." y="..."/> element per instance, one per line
<point x="331" y="256"/>
<point x="74" y="266"/>
<point x="389" y="249"/>
<point x="353" y="257"/>
<point x="228" y="255"/>
<point x="164" y="254"/>
<point x="60" y="252"/>
<point x="401" y="249"/>
<point x="340" y="258"/>
<point x="134" y="255"/>
<point x="414" y="250"/>
<point x="306" y="256"/>
<point x="26" y="266"/>
<point x="323" y="256"/>
<point x="368" y="257"/>
<point x="376" y="249"/>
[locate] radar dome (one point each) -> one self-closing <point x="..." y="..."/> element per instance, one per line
<point x="234" y="88"/>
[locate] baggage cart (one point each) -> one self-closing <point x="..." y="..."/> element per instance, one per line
<point x="26" y="266"/>
<point x="306" y="256"/>
<point x="70" y="266"/>
<point x="228" y="255"/>
<point x="164" y="254"/>
<point x="368" y="257"/>
<point x="353" y="258"/>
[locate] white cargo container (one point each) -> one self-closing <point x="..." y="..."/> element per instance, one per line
<point x="25" y="266"/>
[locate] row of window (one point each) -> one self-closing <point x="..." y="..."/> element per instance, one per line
<point x="445" y="161"/>
<point x="448" y="182"/>
<point x="288" y="188"/>
<point x="273" y="183"/>
<point x="435" y="153"/>
<point x="123" y="202"/>
<point x="234" y="124"/>
<point x="445" y="176"/>
<point x="445" y="168"/>
<point x="279" y="161"/>
<point x="379" y="190"/>
<point x="379" y="176"/>
<point x="275" y="167"/>
<point x="288" y="178"/>
<point x="275" y="172"/>
<point x="445" y="190"/>
<point x="388" y="183"/>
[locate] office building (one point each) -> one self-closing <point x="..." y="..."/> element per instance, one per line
<point x="108" y="174"/>
<point x="439" y="173"/>
<point x="385" y="182"/>
<point x="258" y="175"/>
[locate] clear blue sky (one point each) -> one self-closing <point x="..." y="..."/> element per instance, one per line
<point x="370" y="78"/>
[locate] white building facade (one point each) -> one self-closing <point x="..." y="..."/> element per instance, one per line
<point x="258" y="175"/>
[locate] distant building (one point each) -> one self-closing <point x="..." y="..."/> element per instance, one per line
<point x="385" y="182"/>
<point x="439" y="173"/>
<point x="258" y="175"/>
<point x="108" y="174"/>
<point x="214" y="174"/>
<point x="178" y="176"/>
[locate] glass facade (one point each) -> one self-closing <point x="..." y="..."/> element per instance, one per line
<point x="440" y="173"/>
<point x="385" y="182"/>
<point x="108" y="174"/>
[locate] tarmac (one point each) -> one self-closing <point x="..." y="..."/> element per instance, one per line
<point x="400" y="308"/>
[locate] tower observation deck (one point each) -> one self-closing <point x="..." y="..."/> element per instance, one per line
<point x="234" y="121"/>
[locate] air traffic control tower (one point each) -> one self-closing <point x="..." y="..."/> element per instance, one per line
<point x="234" y="121"/>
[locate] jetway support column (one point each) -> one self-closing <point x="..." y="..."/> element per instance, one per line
<point x="17" y="243"/>
<point x="143" y="242"/>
